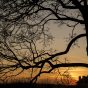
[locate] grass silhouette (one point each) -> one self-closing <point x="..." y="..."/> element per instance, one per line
<point x="28" y="85"/>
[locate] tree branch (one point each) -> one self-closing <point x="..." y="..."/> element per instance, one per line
<point x="70" y="65"/>
<point x="64" y="52"/>
<point x="63" y="18"/>
<point x="65" y="6"/>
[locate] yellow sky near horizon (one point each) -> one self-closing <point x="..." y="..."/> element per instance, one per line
<point x="54" y="78"/>
<point x="73" y="72"/>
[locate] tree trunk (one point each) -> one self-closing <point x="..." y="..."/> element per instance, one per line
<point x="84" y="12"/>
<point x="86" y="27"/>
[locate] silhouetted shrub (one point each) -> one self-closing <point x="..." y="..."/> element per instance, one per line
<point x="82" y="82"/>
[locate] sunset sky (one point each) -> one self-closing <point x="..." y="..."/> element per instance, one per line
<point x="29" y="35"/>
<point x="77" y="54"/>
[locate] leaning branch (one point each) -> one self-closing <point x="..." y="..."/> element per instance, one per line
<point x="64" y="52"/>
<point x="37" y="64"/>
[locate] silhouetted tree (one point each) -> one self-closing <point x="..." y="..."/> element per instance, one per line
<point x="22" y="25"/>
<point x="83" y="82"/>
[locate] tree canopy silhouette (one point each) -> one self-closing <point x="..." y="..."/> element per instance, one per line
<point x="22" y="25"/>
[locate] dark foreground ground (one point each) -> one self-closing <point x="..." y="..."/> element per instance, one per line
<point x="27" y="85"/>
